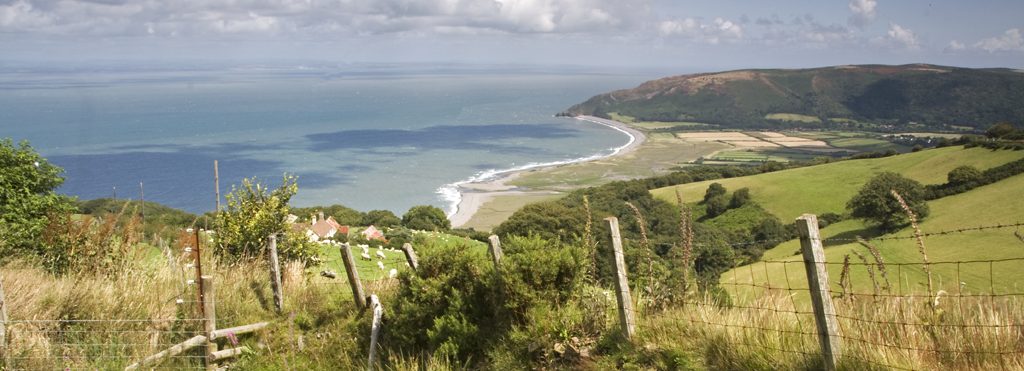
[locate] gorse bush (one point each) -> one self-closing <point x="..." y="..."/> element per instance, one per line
<point x="456" y="305"/>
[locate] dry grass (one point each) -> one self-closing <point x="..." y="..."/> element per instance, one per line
<point x="893" y="333"/>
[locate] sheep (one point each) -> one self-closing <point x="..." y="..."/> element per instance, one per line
<point x="380" y="254"/>
<point x="393" y="273"/>
<point x="365" y="256"/>
<point x="380" y="265"/>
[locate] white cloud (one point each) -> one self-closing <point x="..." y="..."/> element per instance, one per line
<point x="955" y="46"/>
<point x="314" y="17"/>
<point x="686" y="26"/>
<point x="1010" y="40"/>
<point x="712" y="33"/>
<point x="902" y="36"/>
<point x="863" y="12"/>
<point x="21" y="15"/>
<point x="251" y="23"/>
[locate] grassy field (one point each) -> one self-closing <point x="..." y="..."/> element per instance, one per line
<point x="1002" y="204"/>
<point x="826" y="188"/>
<point x="792" y="117"/>
<point x="495" y="211"/>
<point x="661" y="151"/>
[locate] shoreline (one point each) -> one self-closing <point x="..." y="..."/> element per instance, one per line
<point x="467" y="196"/>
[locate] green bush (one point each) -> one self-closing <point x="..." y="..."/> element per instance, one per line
<point x="254" y="212"/>
<point x="27" y="198"/>
<point x="446" y="307"/>
<point x="426" y="218"/>
<point x="875" y="202"/>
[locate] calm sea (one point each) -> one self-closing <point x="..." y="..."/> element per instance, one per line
<point x="369" y="138"/>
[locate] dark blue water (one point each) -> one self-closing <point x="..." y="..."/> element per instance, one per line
<point x="368" y="141"/>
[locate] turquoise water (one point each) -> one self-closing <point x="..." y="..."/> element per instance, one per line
<point x="367" y="140"/>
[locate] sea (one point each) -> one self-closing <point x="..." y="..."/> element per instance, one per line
<point x="368" y="137"/>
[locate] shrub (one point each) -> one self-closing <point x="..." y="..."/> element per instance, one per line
<point x="876" y="204"/>
<point x="27" y="198"/>
<point x="739" y="198"/>
<point x="714" y="190"/>
<point x="254" y="212"/>
<point x="381" y="219"/>
<point x="426" y="218"/>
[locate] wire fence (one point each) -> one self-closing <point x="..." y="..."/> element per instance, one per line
<point x="907" y="314"/>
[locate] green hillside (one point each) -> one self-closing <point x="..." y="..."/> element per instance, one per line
<point x="865" y="96"/>
<point x="826" y="188"/>
<point x="997" y="203"/>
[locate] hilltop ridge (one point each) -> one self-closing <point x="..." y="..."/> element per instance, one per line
<point x="856" y="96"/>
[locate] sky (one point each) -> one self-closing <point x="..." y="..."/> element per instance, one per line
<point x="694" y="35"/>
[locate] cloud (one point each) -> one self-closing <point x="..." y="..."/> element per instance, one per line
<point x="343" y="17"/>
<point x="955" y="46"/>
<point x="902" y="36"/>
<point x="21" y="15"/>
<point x="1010" y="40"/>
<point x="863" y="12"/>
<point x="714" y="32"/>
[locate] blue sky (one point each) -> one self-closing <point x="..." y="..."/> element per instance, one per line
<point x="697" y="35"/>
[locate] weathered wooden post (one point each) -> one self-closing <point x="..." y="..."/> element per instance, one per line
<point x="378" y="311"/>
<point x="495" y="250"/>
<point x="275" y="273"/>
<point x="353" y="276"/>
<point x="817" y="282"/>
<point x="210" y="324"/>
<point x="410" y="256"/>
<point x="3" y="324"/>
<point x="626" y="315"/>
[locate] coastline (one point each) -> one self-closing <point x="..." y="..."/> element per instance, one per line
<point x="467" y="196"/>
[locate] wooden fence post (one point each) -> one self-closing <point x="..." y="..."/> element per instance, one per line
<point x="626" y="314"/>
<point x="3" y="324"/>
<point x="378" y="311"/>
<point x="817" y="282"/>
<point x="353" y="276"/>
<point x="410" y="256"/>
<point x="275" y="273"/>
<point x="210" y="324"/>
<point x="495" y="250"/>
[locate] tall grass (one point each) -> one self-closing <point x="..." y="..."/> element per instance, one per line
<point x="890" y="333"/>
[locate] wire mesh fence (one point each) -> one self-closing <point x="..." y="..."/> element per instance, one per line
<point x="906" y="314"/>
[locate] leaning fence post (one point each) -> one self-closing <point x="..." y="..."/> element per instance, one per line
<point x="817" y="282"/>
<point x="410" y="256"/>
<point x="374" y="329"/>
<point x="353" y="276"/>
<point x="275" y="273"/>
<point x="210" y="323"/>
<point x="626" y="314"/>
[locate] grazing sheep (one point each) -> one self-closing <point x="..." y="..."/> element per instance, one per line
<point x="380" y="265"/>
<point x="365" y="256"/>
<point x="380" y="254"/>
<point x="392" y="273"/>
<point x="328" y="274"/>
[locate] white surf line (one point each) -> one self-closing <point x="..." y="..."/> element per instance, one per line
<point x="453" y="195"/>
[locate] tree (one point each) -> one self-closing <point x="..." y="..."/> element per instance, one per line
<point x="426" y="218"/>
<point x="27" y="198"/>
<point x="716" y="206"/>
<point x="253" y="213"/>
<point x="381" y="218"/>
<point x="739" y="198"/>
<point x="875" y="202"/>
<point x="713" y="191"/>
<point x="963" y="175"/>
<point x="1002" y="130"/>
